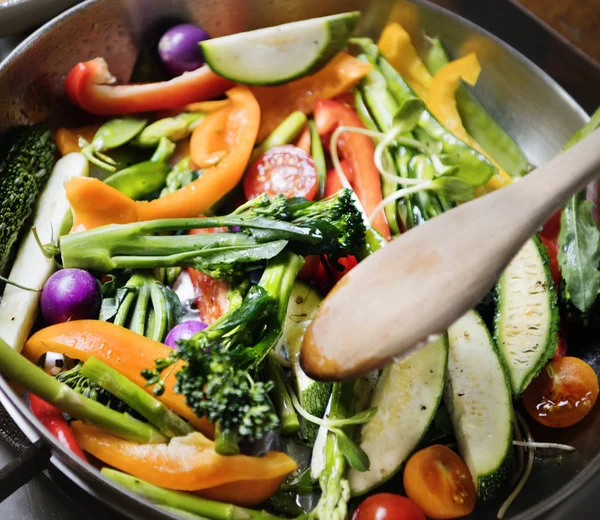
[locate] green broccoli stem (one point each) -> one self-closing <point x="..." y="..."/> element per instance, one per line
<point x="168" y="423"/>
<point x="288" y="419"/>
<point x="35" y="380"/>
<point x="185" y="501"/>
<point x="285" y="133"/>
<point x="226" y="442"/>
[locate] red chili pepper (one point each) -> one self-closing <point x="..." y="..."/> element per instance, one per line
<point x="89" y="86"/>
<point x="358" y="150"/>
<point x="52" y="418"/>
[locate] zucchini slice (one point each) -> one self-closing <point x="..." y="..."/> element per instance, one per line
<point x="313" y="395"/>
<point x="18" y="308"/>
<point x="407" y="396"/>
<point x="478" y="398"/>
<point x="278" y="54"/>
<point x="527" y="319"/>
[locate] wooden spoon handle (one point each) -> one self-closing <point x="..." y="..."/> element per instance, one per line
<point x="429" y="277"/>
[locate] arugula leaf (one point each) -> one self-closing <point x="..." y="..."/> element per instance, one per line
<point x="579" y="241"/>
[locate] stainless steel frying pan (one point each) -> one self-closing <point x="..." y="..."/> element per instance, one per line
<point x="525" y="101"/>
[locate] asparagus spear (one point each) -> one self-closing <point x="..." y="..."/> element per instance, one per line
<point x="318" y="155"/>
<point x="184" y="501"/>
<point x="477" y="120"/>
<point x="168" y="423"/>
<point x="35" y="380"/>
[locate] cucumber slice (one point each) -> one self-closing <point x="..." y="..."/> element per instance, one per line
<point x="527" y="318"/>
<point x="478" y="398"/>
<point x="18" y="308"/>
<point x="407" y="396"/>
<point x="278" y="54"/>
<point x="313" y="395"/>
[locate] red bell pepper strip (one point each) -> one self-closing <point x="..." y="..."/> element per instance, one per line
<point x="358" y="150"/>
<point x="52" y="418"/>
<point x="89" y="85"/>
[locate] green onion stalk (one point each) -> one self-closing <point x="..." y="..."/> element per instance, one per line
<point x="35" y="380"/>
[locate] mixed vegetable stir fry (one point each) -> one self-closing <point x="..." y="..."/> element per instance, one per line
<point x="162" y="272"/>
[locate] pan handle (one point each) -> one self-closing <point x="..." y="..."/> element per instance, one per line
<point x="21" y="470"/>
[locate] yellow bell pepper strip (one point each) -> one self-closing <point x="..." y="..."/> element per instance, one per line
<point x="118" y="347"/>
<point x="396" y="47"/>
<point x="90" y="85"/>
<point x="187" y="463"/>
<point x="441" y="100"/>
<point x="67" y="139"/>
<point x="231" y="129"/>
<point x="276" y="103"/>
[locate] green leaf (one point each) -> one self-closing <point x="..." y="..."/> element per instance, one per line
<point x="110" y="306"/>
<point x="352" y="452"/>
<point x="359" y="418"/>
<point x="579" y="253"/>
<point x="408" y="115"/>
<point x="454" y="189"/>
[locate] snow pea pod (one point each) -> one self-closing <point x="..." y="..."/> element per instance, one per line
<point x="163" y="151"/>
<point x="478" y="122"/>
<point x="140" y="180"/>
<point x="474" y="167"/>
<point x="173" y="128"/>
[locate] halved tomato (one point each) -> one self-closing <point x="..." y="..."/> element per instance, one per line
<point x="387" y="506"/>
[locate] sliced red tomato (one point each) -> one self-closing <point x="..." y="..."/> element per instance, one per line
<point x="333" y="183"/>
<point x="387" y="506"/>
<point x="346" y="98"/>
<point x="563" y="393"/>
<point x="286" y="170"/>
<point x="439" y="482"/>
<point x="210" y="294"/>
<point x="358" y="150"/>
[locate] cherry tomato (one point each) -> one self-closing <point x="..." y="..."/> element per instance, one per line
<point x="563" y="393"/>
<point x="387" y="506"/>
<point x="284" y="169"/>
<point x="439" y="482"/>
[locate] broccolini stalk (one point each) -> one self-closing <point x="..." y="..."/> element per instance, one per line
<point x="290" y="425"/>
<point x="186" y="501"/>
<point x="331" y="226"/>
<point x="35" y="380"/>
<point x="168" y="423"/>
<point x="221" y="362"/>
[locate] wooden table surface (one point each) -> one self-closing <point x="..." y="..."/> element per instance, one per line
<point x="577" y="20"/>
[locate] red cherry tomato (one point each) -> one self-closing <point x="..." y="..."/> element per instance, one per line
<point x="387" y="506"/>
<point x="439" y="482"/>
<point x="563" y="393"/>
<point x="286" y="170"/>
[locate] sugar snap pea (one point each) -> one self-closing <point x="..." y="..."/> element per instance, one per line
<point x="478" y="121"/>
<point x="140" y="180"/>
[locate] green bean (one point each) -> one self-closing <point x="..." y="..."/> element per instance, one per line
<point x="285" y="133"/>
<point x="478" y="122"/>
<point x="318" y="155"/>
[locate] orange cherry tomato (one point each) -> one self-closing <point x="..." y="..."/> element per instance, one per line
<point x="563" y="393"/>
<point x="285" y="169"/>
<point x="387" y="506"/>
<point x="439" y="482"/>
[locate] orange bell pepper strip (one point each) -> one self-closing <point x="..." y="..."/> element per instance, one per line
<point x="243" y="493"/>
<point x="187" y="463"/>
<point x="231" y="131"/>
<point x="67" y="139"/>
<point x="397" y="48"/>
<point x="441" y="101"/>
<point x="118" y="347"/>
<point x="358" y="150"/>
<point x="276" y="103"/>
<point x="89" y="85"/>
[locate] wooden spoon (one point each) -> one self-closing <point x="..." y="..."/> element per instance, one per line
<point x="422" y="282"/>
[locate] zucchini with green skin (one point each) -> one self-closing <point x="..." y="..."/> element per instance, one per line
<point x="477" y="395"/>
<point x="313" y="395"/>
<point x="23" y="173"/>
<point x="274" y="55"/>
<point x="407" y="397"/>
<point x="527" y="318"/>
<point x="18" y="307"/>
